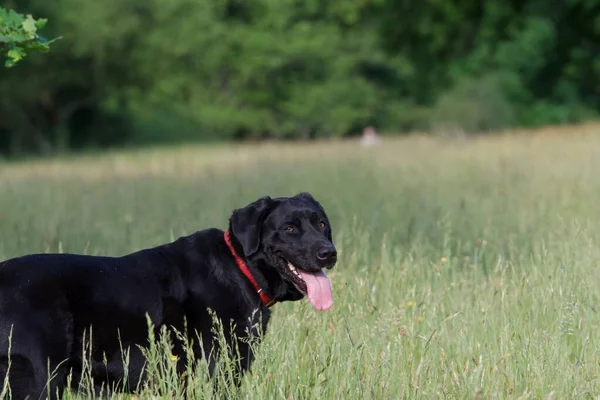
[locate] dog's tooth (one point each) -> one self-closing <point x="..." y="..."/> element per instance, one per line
<point x="294" y="270"/>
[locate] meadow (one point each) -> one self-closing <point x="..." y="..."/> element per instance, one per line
<point x="468" y="269"/>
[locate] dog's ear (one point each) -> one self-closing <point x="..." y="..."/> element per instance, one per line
<point x="309" y="197"/>
<point x="246" y="223"/>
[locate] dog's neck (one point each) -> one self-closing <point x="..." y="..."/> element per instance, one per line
<point x="266" y="299"/>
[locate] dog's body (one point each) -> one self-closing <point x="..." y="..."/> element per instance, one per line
<point x="50" y="304"/>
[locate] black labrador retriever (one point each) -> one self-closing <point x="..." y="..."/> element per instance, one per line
<point x="274" y="250"/>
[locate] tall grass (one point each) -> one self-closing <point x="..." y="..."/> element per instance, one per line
<point x="467" y="269"/>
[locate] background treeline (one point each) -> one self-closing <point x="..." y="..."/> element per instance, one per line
<point x="147" y="71"/>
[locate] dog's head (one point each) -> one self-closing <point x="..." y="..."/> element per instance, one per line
<point x="292" y="235"/>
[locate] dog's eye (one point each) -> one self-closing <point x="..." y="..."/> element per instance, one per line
<point x="322" y="225"/>
<point x="290" y="229"/>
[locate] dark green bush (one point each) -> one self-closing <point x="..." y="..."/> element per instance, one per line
<point x="473" y="105"/>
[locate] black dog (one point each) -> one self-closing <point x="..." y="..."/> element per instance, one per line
<point x="274" y="250"/>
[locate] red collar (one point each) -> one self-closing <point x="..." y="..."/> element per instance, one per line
<point x="266" y="299"/>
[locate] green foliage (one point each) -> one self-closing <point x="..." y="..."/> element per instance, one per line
<point x="463" y="268"/>
<point x="19" y="36"/>
<point x="473" y="106"/>
<point x="545" y="55"/>
<point x="146" y="71"/>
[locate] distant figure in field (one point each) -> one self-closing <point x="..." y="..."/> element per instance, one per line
<point x="369" y="137"/>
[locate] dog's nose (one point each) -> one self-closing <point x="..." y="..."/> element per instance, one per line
<point x="327" y="253"/>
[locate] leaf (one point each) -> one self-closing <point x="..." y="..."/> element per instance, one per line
<point x="13" y="19"/>
<point x="40" y="23"/>
<point x="29" y="26"/>
<point x="16" y="54"/>
<point x="16" y="38"/>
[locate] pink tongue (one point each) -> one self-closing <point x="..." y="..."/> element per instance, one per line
<point x="319" y="289"/>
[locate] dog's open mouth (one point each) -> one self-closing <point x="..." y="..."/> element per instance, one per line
<point x="315" y="285"/>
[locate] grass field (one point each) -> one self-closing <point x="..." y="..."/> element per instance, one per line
<point x="467" y="270"/>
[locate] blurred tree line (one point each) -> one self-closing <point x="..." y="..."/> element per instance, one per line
<point x="147" y="71"/>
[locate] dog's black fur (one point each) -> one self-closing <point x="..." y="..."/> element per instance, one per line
<point x="50" y="301"/>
